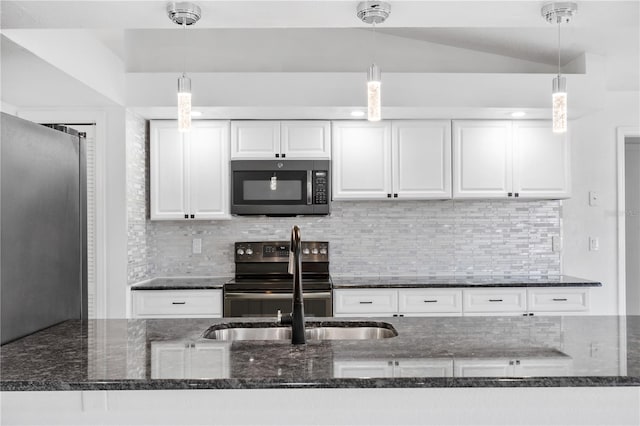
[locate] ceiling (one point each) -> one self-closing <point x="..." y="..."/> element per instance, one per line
<point x="498" y="37"/>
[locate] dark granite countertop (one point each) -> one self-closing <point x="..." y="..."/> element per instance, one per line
<point x="207" y="283"/>
<point x="503" y="351"/>
<point x="454" y="282"/>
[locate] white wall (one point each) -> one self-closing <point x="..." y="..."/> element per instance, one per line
<point x="594" y="168"/>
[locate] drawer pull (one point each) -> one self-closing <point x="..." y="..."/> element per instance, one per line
<point x="495" y="300"/>
<point x="366" y="302"/>
<point x="178" y="303"/>
<point x="431" y="301"/>
<point x="559" y="299"/>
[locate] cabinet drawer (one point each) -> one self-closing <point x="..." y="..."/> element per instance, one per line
<point x="495" y="300"/>
<point x="429" y="301"/>
<point x="365" y="302"/>
<point x="177" y="303"/>
<point x="558" y="299"/>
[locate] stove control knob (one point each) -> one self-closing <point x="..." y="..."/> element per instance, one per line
<point x="249" y="252"/>
<point x="305" y="251"/>
<point x="323" y="250"/>
<point x="314" y="250"/>
<point x="240" y="252"/>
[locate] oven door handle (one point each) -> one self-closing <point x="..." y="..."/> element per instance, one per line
<point x="308" y="296"/>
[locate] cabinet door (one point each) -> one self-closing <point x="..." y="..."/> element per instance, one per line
<point x="543" y="367"/>
<point x="494" y="301"/>
<point x="428" y="367"/>
<point x="305" y="139"/>
<point x="209" y="360"/>
<point x="357" y="302"/>
<point x="482" y="368"/>
<point x="169" y="360"/>
<point x="177" y="303"/>
<point x="558" y="300"/>
<point x="482" y="163"/>
<point x="255" y="139"/>
<point x="208" y="170"/>
<point x="168" y="185"/>
<point x="425" y="302"/>
<point x="361" y="160"/>
<point x="541" y="161"/>
<point x="421" y="152"/>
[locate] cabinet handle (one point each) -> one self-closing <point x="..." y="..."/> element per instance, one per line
<point x="193" y="216"/>
<point x="283" y="155"/>
<point x="395" y="195"/>
<point x="559" y="299"/>
<point x="509" y="194"/>
<point x="495" y="300"/>
<point x="431" y="301"/>
<point x="517" y="362"/>
<point x="389" y="362"/>
<point x="277" y="155"/>
<point x="178" y="303"/>
<point x="388" y="195"/>
<point x="186" y="216"/>
<point x="510" y="362"/>
<point x="369" y="302"/>
<point x="517" y="194"/>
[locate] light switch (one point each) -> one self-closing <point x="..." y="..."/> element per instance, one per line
<point x="594" y="244"/>
<point x="593" y="198"/>
<point x="197" y="246"/>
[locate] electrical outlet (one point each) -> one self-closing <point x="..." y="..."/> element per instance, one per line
<point x="594" y="244"/>
<point x="594" y="349"/>
<point x="196" y="247"/>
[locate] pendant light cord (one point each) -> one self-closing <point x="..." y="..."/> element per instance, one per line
<point x="373" y="41"/>
<point x="559" y="22"/>
<point x="184" y="43"/>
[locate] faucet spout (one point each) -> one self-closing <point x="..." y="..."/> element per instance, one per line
<point x="295" y="268"/>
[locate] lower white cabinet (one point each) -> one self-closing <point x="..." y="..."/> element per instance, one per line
<point x="538" y="367"/>
<point x="190" y="360"/>
<point x="177" y="303"/>
<point x="358" y="302"/>
<point x="567" y="301"/>
<point x="455" y="302"/>
<point x="427" y="367"/>
<point x="505" y="301"/>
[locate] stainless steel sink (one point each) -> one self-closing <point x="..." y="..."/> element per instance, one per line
<point x="338" y="330"/>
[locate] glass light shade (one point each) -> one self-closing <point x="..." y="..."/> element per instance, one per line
<point x="373" y="94"/>
<point x="559" y="105"/>
<point x="184" y="104"/>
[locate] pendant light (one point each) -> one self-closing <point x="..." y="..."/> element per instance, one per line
<point x="559" y="13"/>
<point x="184" y="14"/>
<point x="373" y="12"/>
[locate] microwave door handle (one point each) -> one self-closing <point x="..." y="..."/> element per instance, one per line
<point x="309" y="187"/>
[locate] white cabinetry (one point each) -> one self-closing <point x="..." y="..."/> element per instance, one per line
<point x="427" y="367"/>
<point x="392" y="302"/>
<point x="525" y="367"/>
<point x="554" y="301"/>
<point x="263" y="139"/>
<point x="502" y="159"/>
<point x="188" y="360"/>
<point x="177" y="303"/>
<point x="189" y="171"/>
<point x="399" y="159"/>
<point x="503" y="301"/>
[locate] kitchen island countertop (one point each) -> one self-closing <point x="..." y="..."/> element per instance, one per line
<point x="571" y="351"/>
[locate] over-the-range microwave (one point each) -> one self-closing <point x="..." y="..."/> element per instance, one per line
<point x="280" y="187"/>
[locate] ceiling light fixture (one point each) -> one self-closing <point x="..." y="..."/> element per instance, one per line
<point x="559" y="13"/>
<point x="184" y="14"/>
<point x="373" y="12"/>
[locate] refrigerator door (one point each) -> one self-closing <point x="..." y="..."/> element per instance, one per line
<point x="42" y="270"/>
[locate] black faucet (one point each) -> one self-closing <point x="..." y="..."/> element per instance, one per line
<point x="296" y="318"/>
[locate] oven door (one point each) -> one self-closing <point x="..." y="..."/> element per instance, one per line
<point x="244" y="304"/>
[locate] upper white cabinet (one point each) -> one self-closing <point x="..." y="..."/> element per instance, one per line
<point x="263" y="139"/>
<point x="502" y="159"/>
<point x="399" y="159"/>
<point x="189" y="171"/>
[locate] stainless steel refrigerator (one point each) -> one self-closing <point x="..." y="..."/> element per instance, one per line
<point x="43" y="227"/>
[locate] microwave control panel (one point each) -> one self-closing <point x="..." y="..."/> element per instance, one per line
<point x="320" y="187"/>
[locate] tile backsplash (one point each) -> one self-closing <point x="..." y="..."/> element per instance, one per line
<point x="387" y="237"/>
